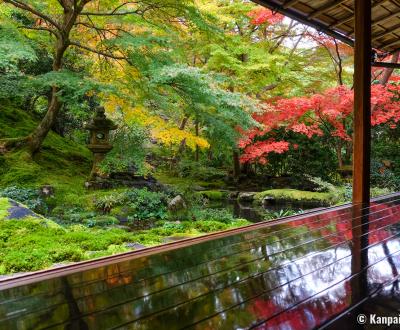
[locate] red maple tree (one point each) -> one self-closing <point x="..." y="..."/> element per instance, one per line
<point x="325" y="114"/>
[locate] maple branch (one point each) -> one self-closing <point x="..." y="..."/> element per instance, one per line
<point x="34" y="11"/>
<point x="39" y="29"/>
<point x="99" y="30"/>
<point x="62" y="3"/>
<point x="111" y="13"/>
<point x="297" y="43"/>
<point x="283" y="36"/>
<point x="124" y="4"/>
<point x="339" y="63"/>
<point x="115" y="12"/>
<point x="99" y="52"/>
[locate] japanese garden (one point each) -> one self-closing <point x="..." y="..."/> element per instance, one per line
<point x="130" y="124"/>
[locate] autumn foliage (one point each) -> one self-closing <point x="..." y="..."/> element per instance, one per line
<point x="261" y="15"/>
<point x="326" y="114"/>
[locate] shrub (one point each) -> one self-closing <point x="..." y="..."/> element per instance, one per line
<point x="383" y="177"/>
<point x="146" y="204"/>
<point x="129" y="150"/>
<point x="321" y="185"/>
<point x="176" y="226"/>
<point x="141" y="203"/>
<point x="107" y="202"/>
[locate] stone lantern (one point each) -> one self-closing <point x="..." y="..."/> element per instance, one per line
<point x="99" y="143"/>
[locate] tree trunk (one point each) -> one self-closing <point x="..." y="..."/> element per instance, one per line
<point x="35" y="140"/>
<point x="236" y="165"/>
<point x="339" y="156"/>
<point x="246" y="169"/>
<point x="388" y="71"/>
<point x="182" y="145"/>
<point x="210" y="154"/>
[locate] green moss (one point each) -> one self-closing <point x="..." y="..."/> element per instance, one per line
<point x="61" y="163"/>
<point x="32" y="244"/>
<point x="168" y="179"/>
<point x="4" y="206"/>
<point x="14" y="122"/>
<point x="214" y="195"/>
<point x="293" y="195"/>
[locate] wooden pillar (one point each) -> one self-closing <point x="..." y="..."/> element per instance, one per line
<point x="362" y="102"/>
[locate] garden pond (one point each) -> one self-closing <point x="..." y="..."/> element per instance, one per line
<point x="257" y="213"/>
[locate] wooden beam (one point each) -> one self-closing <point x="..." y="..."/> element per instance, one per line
<point x="386" y="32"/>
<point x="384" y="19"/>
<point x="325" y="8"/>
<point x="275" y="5"/>
<point x="386" y="64"/>
<point x="362" y="102"/>
<point x="350" y="17"/>
<point x="289" y="3"/>
<point x="342" y="21"/>
<point x="390" y="44"/>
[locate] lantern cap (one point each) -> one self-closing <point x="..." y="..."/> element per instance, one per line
<point x="100" y="121"/>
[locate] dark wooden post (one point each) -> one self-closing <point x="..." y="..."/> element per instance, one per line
<point x="362" y="102"/>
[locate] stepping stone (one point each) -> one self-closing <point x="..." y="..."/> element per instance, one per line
<point x="18" y="211"/>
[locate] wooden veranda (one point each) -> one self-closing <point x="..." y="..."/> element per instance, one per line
<point x="317" y="270"/>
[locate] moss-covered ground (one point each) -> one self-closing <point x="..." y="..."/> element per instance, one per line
<point x="293" y="195"/>
<point x="213" y="195"/>
<point x="31" y="243"/>
<point x="62" y="163"/>
<point x="79" y="231"/>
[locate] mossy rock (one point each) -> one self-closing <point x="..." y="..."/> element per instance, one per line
<point x="295" y="196"/>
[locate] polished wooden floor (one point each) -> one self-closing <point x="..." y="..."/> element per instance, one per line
<point x="317" y="270"/>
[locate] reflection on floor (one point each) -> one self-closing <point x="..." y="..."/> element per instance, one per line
<point x="315" y="270"/>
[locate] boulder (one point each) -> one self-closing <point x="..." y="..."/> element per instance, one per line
<point x="246" y="196"/>
<point x="177" y="204"/>
<point x="46" y="191"/>
<point x="268" y="200"/>
<point x="233" y="195"/>
<point x="124" y="179"/>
